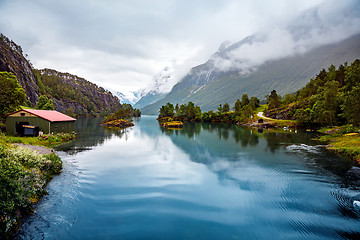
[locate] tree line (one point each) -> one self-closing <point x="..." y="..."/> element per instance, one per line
<point x="242" y="111"/>
<point x="331" y="98"/>
<point x="126" y="112"/>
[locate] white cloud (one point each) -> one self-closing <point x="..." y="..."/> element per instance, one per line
<point x="123" y="44"/>
<point x="318" y="26"/>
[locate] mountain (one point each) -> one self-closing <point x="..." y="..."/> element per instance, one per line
<point x="126" y="98"/>
<point x="68" y="92"/>
<point x="214" y="82"/>
<point x="149" y="98"/>
<point x="161" y="86"/>
<point x="13" y="60"/>
<point x="72" y="92"/>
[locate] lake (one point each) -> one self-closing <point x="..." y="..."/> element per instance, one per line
<point x="206" y="181"/>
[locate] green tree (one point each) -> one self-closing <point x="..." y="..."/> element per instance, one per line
<point x="274" y="100"/>
<point x="220" y="108"/>
<point x="226" y="107"/>
<point x="167" y="110"/>
<point x="70" y="112"/>
<point x="327" y="103"/>
<point x="288" y="98"/>
<point x="254" y="102"/>
<point x="237" y="106"/>
<point x="44" y="103"/>
<point x="49" y="105"/>
<point x="12" y="95"/>
<point x="351" y="105"/>
<point x="245" y="100"/>
<point x="43" y="99"/>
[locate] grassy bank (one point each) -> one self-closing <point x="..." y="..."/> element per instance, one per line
<point x="44" y="140"/>
<point x="344" y="140"/>
<point x="24" y="174"/>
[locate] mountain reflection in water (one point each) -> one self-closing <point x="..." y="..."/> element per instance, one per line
<point x="205" y="181"/>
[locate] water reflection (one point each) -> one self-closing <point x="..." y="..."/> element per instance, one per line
<point x="300" y="145"/>
<point x="206" y="181"/>
<point x="90" y="133"/>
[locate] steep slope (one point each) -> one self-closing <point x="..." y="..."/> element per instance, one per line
<point x="70" y="91"/>
<point x="67" y="91"/>
<point x="12" y="60"/>
<point x="149" y="98"/>
<point x="208" y="87"/>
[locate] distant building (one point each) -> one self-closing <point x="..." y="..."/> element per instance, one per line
<point x="26" y="122"/>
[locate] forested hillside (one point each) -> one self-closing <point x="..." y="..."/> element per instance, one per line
<point x="331" y="98"/>
<point x="70" y="94"/>
<point x="73" y="94"/>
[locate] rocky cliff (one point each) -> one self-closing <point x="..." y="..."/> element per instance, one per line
<point x="12" y="60"/>
<point x="71" y="94"/>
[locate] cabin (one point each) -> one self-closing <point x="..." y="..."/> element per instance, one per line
<point x="28" y="122"/>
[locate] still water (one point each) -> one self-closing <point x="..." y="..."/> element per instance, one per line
<point x="206" y="181"/>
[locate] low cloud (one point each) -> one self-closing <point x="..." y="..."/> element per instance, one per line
<point x="315" y="27"/>
<point x="123" y="44"/>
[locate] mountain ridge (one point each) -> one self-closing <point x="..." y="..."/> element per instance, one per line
<point x="208" y="87"/>
<point x="69" y="92"/>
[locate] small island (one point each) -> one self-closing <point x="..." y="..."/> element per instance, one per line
<point x="121" y="118"/>
<point x="172" y="124"/>
<point x="119" y="123"/>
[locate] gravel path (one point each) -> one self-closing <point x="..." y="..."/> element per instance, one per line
<point x="261" y="114"/>
<point x="39" y="149"/>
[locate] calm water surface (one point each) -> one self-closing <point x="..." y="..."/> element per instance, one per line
<point x="203" y="182"/>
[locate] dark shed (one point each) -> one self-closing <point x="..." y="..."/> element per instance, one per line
<point x="47" y="121"/>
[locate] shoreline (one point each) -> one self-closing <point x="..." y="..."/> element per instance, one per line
<point x="27" y="165"/>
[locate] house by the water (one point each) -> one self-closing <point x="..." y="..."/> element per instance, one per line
<point x="28" y="122"/>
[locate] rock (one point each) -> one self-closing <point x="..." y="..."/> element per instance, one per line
<point x="12" y="60"/>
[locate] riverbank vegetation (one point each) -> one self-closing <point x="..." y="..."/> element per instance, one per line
<point x="43" y="140"/>
<point x="344" y="140"/>
<point x="332" y="98"/>
<point x="122" y="117"/>
<point x="243" y="111"/>
<point x="24" y="174"/>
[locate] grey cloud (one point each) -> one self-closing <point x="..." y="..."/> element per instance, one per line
<point x="321" y="25"/>
<point x="123" y="44"/>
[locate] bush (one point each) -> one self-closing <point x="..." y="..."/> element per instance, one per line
<point x="23" y="177"/>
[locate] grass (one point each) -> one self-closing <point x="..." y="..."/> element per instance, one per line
<point x="261" y="108"/>
<point x="344" y="140"/>
<point x="26" y="107"/>
<point x="44" y="140"/>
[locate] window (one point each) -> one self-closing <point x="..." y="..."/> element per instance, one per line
<point x="22" y="114"/>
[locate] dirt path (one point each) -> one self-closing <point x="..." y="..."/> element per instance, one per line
<point x="261" y="114"/>
<point x="39" y="149"/>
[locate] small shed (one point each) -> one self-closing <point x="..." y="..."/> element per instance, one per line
<point x="46" y="121"/>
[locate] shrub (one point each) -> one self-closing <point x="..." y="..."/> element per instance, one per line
<point x="23" y="177"/>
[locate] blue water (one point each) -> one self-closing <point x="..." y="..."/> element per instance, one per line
<point x="207" y="181"/>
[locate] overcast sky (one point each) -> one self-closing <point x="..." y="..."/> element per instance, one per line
<point x="122" y="44"/>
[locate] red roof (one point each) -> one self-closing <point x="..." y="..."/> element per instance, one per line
<point x="50" y="115"/>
